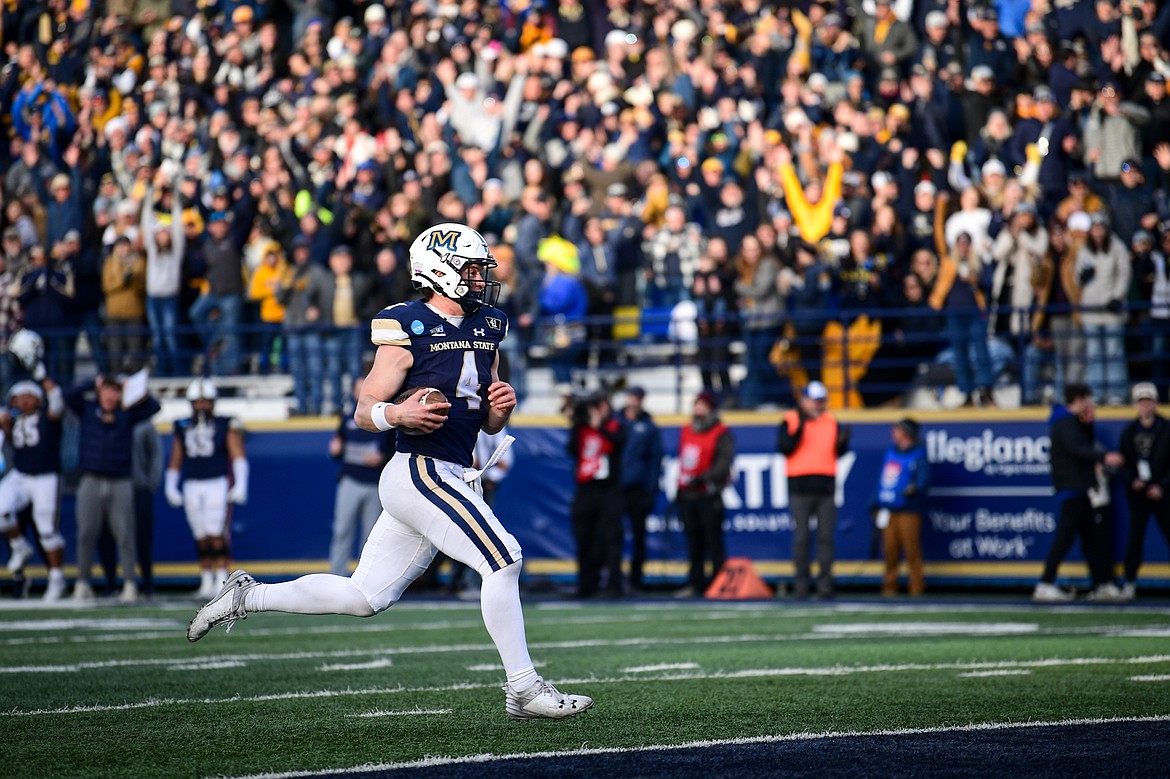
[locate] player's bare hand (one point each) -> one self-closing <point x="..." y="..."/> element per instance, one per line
<point x="501" y="397"/>
<point x="422" y="417"/>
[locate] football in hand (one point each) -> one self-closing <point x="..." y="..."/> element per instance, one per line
<point x="429" y="395"/>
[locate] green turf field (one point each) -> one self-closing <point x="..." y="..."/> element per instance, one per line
<point x="110" y="691"/>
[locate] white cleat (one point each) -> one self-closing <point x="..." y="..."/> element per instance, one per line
<point x="1128" y="591"/>
<point x="224" y="608"/>
<point x="1107" y="593"/>
<point x="56" y="590"/>
<point x="543" y="701"/>
<point x="1050" y="593"/>
<point x="82" y="591"/>
<point x="129" y="593"/>
<point x="22" y="552"/>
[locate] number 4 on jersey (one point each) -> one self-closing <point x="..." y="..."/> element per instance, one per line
<point x="468" y="386"/>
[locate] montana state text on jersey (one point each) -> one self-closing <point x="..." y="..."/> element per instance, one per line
<point x="454" y="360"/>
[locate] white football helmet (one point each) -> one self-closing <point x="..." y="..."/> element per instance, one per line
<point x="201" y="389"/>
<point x="26" y="388"/>
<point x="439" y="260"/>
<point x="27" y="347"/>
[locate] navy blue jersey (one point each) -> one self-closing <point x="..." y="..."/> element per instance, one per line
<point x="356" y="444"/>
<point x="455" y="360"/>
<point x="204" y="445"/>
<point x="36" y="444"/>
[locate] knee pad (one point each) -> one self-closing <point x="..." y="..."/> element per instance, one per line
<point x="51" y="542"/>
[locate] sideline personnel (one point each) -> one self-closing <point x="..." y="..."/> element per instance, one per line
<point x="812" y="441"/>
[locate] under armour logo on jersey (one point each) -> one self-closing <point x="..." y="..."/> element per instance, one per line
<point x="479" y="332"/>
<point x="494" y="323"/>
<point x="445" y="240"/>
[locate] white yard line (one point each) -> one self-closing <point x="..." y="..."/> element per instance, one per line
<point x="642" y="669"/>
<point x="1004" y="672"/>
<point x="777" y="739"/>
<point x="752" y="673"/>
<point x="409" y="713"/>
<point x="371" y="665"/>
<point x="1151" y="678"/>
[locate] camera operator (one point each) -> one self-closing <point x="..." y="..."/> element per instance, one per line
<point x="596" y="436"/>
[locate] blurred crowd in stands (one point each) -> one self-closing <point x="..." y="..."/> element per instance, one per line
<point x="847" y="188"/>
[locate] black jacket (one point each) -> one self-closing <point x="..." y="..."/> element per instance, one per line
<point x="1150" y="444"/>
<point x="1075" y="452"/>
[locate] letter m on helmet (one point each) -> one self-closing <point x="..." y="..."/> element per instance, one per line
<point x="443" y="241"/>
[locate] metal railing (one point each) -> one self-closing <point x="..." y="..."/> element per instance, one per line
<point x="865" y="357"/>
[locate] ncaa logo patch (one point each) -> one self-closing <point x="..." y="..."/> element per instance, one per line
<point x="416" y="327"/>
<point x="494" y="323"/>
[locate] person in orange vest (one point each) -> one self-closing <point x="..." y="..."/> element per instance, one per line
<point x="812" y="441"/>
<point x="706" y="449"/>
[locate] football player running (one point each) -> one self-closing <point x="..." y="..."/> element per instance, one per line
<point x="35" y="432"/>
<point x="207" y="449"/>
<point x="449" y="341"/>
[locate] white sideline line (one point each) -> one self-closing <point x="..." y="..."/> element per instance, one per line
<point x="383" y="663"/>
<point x="641" y="669"/>
<point x="751" y="673"/>
<point x="1151" y="678"/>
<point x="1103" y="630"/>
<point x="706" y="744"/>
<point x="180" y="661"/>
<point x="667" y="611"/>
<point x="211" y="666"/>
<point x="410" y="713"/>
<point x="928" y="628"/>
<point x="1004" y="672"/>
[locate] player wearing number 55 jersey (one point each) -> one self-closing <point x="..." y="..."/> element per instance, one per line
<point x="449" y="341"/>
<point x="207" y="450"/>
<point x="35" y="478"/>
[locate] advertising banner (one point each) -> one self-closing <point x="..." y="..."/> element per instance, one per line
<point x="990" y="518"/>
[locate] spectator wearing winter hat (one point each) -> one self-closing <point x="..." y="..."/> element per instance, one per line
<point x="1046" y="140"/>
<point x="1131" y="203"/>
<point x="65" y="210"/>
<point x="1112" y="133"/>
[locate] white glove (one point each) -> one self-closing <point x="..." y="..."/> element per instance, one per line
<point x="174" y="495"/>
<point x="238" y="493"/>
<point x="38" y="372"/>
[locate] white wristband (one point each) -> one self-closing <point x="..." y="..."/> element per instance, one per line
<point x="378" y="417"/>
